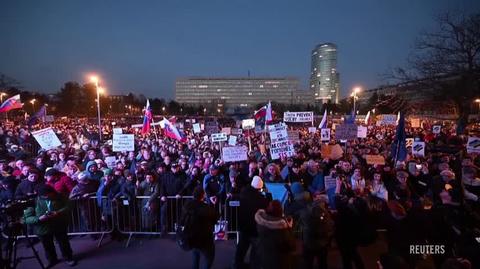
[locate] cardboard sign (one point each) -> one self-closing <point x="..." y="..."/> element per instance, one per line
<point x="362" y="132"/>
<point x="312" y="130"/>
<point x="418" y="148"/>
<point x="123" y="142"/>
<point x="346" y="132"/>
<point x="232" y="140"/>
<point x="388" y="119"/>
<point x="248" y="124"/>
<point x="219" y="137"/>
<point x="117" y="131"/>
<point x="333" y="152"/>
<point x="110" y="161"/>
<point x="375" y="159"/>
<point x="293" y="136"/>
<point x="325" y="134"/>
<point x="408" y="142"/>
<point x="415" y="123"/>
<point x="196" y="128"/>
<point x="236" y="131"/>
<point x="436" y="129"/>
<point x="298" y="116"/>
<point x="227" y="130"/>
<point x="473" y="145"/>
<point x="47" y="138"/>
<point x="330" y="182"/>
<point x="234" y="154"/>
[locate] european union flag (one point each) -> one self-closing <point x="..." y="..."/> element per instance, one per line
<point x="399" y="147"/>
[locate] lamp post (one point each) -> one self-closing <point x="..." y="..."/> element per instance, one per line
<point x="354" y="95"/>
<point x="478" y="101"/>
<point x="33" y="104"/>
<point x="94" y="80"/>
<point x="2" y="94"/>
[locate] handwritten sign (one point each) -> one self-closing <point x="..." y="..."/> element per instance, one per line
<point x="330" y="182"/>
<point x="234" y="154"/>
<point x="346" y="132"/>
<point x="298" y="116"/>
<point x="388" y="119"/>
<point x="47" y="138"/>
<point x="123" y="142"/>
<point x="293" y="136"/>
<point x="227" y="130"/>
<point x="436" y="129"/>
<point x="117" y="130"/>
<point x="362" y="132"/>
<point x="232" y="140"/>
<point x="312" y="130"/>
<point x="408" y="142"/>
<point x="219" y="137"/>
<point x="375" y="159"/>
<point x="473" y="145"/>
<point x="280" y="144"/>
<point x="196" y="128"/>
<point x="415" y="122"/>
<point x="110" y="161"/>
<point x="248" y="124"/>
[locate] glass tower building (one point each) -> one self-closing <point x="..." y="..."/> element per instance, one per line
<point x="324" y="78"/>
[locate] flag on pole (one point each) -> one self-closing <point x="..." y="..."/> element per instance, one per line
<point x="323" y="123"/>
<point x="170" y="130"/>
<point x="350" y="119"/>
<point x="399" y="147"/>
<point x="265" y="112"/>
<point x="367" y="118"/>
<point x="41" y="114"/>
<point x="398" y="117"/>
<point x="11" y="103"/>
<point x="147" y="118"/>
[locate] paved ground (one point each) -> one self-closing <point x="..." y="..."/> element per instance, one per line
<point x="160" y="253"/>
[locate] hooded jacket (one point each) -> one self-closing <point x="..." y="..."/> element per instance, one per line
<point x="97" y="175"/>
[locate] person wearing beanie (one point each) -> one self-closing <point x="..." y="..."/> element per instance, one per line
<point x="85" y="187"/>
<point x="50" y="220"/>
<point x="251" y="200"/>
<point x="276" y="242"/>
<point x="93" y="172"/>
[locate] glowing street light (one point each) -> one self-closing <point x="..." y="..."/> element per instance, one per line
<point x="355" y="91"/>
<point x="95" y="80"/>
<point x="478" y="101"/>
<point x="33" y="104"/>
<point x="2" y="94"/>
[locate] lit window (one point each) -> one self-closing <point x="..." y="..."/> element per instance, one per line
<point x="314" y="69"/>
<point x="322" y="89"/>
<point x="219" y="90"/>
<point x="202" y="86"/>
<point x="327" y="79"/>
<point x="311" y="86"/>
<point x="250" y="93"/>
<point x="261" y="86"/>
<point x="320" y="56"/>
<point x="318" y="75"/>
<point x="275" y="86"/>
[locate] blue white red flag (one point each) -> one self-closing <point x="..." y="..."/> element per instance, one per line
<point x="11" y="103"/>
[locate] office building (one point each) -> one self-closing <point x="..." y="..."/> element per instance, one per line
<point x="324" y="78"/>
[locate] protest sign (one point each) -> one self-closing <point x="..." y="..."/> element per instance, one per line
<point x="49" y="118"/>
<point x="325" y="134"/>
<point x="248" y="124"/>
<point x="211" y="127"/>
<point x="346" y="132"/>
<point x="375" y="159"/>
<point x="202" y="127"/>
<point x="298" y="116"/>
<point x="293" y="136"/>
<point x="408" y="142"/>
<point x="117" y="131"/>
<point x="436" y="129"/>
<point x="388" y="119"/>
<point x="281" y="149"/>
<point x="46" y="138"/>
<point x="330" y="182"/>
<point x="333" y="152"/>
<point x="205" y="138"/>
<point x="232" y="140"/>
<point x="415" y="122"/>
<point x="362" y="132"/>
<point x="219" y="137"/>
<point x="110" y="161"/>
<point x="123" y="142"/>
<point x="278" y="132"/>
<point x="418" y="148"/>
<point x="227" y="130"/>
<point x="196" y="128"/>
<point x="312" y="130"/>
<point x="234" y="154"/>
<point x="473" y="145"/>
<point x="236" y="131"/>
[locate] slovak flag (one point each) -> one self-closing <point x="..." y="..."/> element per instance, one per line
<point x="265" y="112"/>
<point x="11" y="103"/>
<point x="147" y="118"/>
<point x="170" y="130"/>
<point x="323" y="123"/>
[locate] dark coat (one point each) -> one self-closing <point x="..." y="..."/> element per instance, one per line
<point x="275" y="240"/>
<point x="25" y="188"/>
<point x="251" y="200"/>
<point x="205" y="219"/>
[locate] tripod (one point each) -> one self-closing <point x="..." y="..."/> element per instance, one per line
<point x="13" y="230"/>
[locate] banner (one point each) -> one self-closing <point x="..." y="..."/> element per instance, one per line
<point x="375" y="159"/>
<point x="232" y="140"/>
<point x="196" y="128"/>
<point x="362" y="132"/>
<point x="123" y="142"/>
<point x="473" y="145"/>
<point x="234" y="154"/>
<point x="117" y="131"/>
<point x="219" y="137"/>
<point x="312" y="130"/>
<point x="298" y="116"/>
<point x="47" y="138"/>
<point x="418" y="149"/>
<point x="325" y="134"/>
<point x="346" y="132"/>
<point x="248" y="124"/>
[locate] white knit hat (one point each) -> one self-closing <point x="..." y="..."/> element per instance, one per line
<point x="257" y="182"/>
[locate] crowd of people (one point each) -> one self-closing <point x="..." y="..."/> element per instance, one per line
<point x="420" y="201"/>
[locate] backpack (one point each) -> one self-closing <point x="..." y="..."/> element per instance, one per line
<point x="185" y="229"/>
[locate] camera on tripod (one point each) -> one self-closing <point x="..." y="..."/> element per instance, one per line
<point x="12" y="215"/>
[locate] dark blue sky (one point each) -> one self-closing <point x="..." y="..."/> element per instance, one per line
<point x="144" y="46"/>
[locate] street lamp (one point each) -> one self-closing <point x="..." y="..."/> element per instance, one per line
<point x="478" y="101"/>
<point x="33" y="104"/>
<point x="99" y="90"/>
<point x="354" y="95"/>
<point x="2" y="94"/>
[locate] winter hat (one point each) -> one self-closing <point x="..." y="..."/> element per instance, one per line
<point x="274" y="209"/>
<point x="51" y="172"/>
<point x="90" y="163"/>
<point x="257" y="182"/>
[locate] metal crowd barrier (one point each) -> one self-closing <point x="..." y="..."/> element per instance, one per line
<point x="230" y="214"/>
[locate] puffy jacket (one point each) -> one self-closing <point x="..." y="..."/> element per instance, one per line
<point x="59" y="204"/>
<point x="251" y="200"/>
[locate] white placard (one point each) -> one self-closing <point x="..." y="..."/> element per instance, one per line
<point x="312" y="130"/>
<point x="219" y="137"/>
<point x="196" y="128"/>
<point x="234" y="154"/>
<point x="123" y="142"/>
<point x="306" y="116"/>
<point x="473" y="145"/>
<point x="325" y="134"/>
<point x="388" y="119"/>
<point x="232" y="140"/>
<point x="227" y="130"/>
<point x="436" y="129"/>
<point x="418" y="148"/>
<point x="46" y="138"/>
<point x="110" y="161"/>
<point x="202" y="126"/>
<point x="205" y="138"/>
<point x="409" y="142"/>
<point x="330" y="182"/>
<point x="117" y="131"/>
<point x="248" y="124"/>
<point x="281" y="149"/>
<point x="362" y="132"/>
